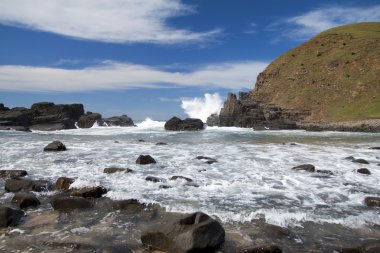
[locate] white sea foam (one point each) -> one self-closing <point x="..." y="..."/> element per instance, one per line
<point x="201" y="108"/>
<point x="149" y="123"/>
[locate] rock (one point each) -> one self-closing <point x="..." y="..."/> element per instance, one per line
<point x="374" y="148"/>
<point x="88" y="192"/>
<point x="213" y="120"/>
<point x="112" y="170"/>
<point x="363" y="171"/>
<point x="129" y="205"/>
<point x="181" y="177"/>
<point x="115" y="249"/>
<point x="63" y="184"/>
<point x="89" y="119"/>
<point x="25" y="200"/>
<point x="371" y="248"/>
<point x="48" y="127"/>
<point x="17" y="185"/>
<point x="68" y="203"/>
<point x="154" y="179"/>
<point x="362" y="161"/>
<point x="55" y="146"/>
<point x="327" y="172"/>
<point x="3" y="108"/>
<point x="209" y="159"/>
<point x="9" y="216"/>
<point x="145" y="159"/>
<point x="350" y="158"/>
<point x="305" y="167"/>
<point x="164" y="186"/>
<point x="15" y="128"/>
<point x="12" y="173"/>
<point x="276" y="230"/>
<point x="18" y="116"/>
<point x="263" y="249"/>
<point x="197" y="232"/>
<point x="141" y="140"/>
<point x="372" y="201"/>
<point x="189" y="124"/>
<point x="123" y="120"/>
<point x="161" y="143"/>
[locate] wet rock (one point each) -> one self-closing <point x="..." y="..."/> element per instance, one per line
<point x="181" y="177"/>
<point x="68" y="203"/>
<point x="372" y="201"/>
<point x="154" y="179"/>
<point x="9" y="216"/>
<point x="112" y="170"/>
<point x="145" y="159"/>
<point x="197" y="232"/>
<point x="141" y="140"/>
<point x="115" y="249"/>
<point x="361" y="161"/>
<point x="89" y="119"/>
<point x="25" y="200"/>
<point x="55" y="146"/>
<point x="348" y="250"/>
<point x="18" y="185"/>
<point x="122" y="120"/>
<point x="12" y="173"/>
<point x="189" y="124"/>
<point x="276" y="230"/>
<point x="209" y="160"/>
<point x="326" y="172"/>
<point x="363" y="171"/>
<point x="129" y="205"/>
<point x="161" y="143"/>
<point x="371" y="248"/>
<point x="263" y="249"/>
<point x="88" y="192"/>
<point x="374" y="148"/>
<point x="350" y="158"/>
<point x="63" y="184"/>
<point x="213" y="120"/>
<point x="164" y="186"/>
<point x="304" y="167"/>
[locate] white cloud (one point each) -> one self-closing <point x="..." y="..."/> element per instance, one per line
<point x="115" y="75"/>
<point x="118" y="21"/>
<point x="311" y="23"/>
<point x="251" y="28"/>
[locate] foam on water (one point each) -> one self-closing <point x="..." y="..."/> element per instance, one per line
<point x="252" y="178"/>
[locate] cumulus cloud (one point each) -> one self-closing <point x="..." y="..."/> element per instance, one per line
<point x="115" y="75"/>
<point x="118" y="21"/>
<point x="313" y="22"/>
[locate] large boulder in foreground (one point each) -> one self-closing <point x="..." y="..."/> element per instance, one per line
<point x="55" y="146"/>
<point x="26" y="185"/>
<point x="197" y="232"/>
<point x="189" y="124"/>
<point x="89" y="119"/>
<point x="9" y="216"/>
<point x="145" y="159"/>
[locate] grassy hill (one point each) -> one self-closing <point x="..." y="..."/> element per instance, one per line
<point x="335" y="75"/>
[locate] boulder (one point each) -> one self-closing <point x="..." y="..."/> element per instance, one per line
<point x="115" y="249"/>
<point x="361" y="161"/>
<point x="375" y="148"/>
<point x="372" y="201"/>
<point x="123" y="120"/>
<point x="12" y="173"/>
<point x="363" y="171"/>
<point x="25" y="200"/>
<point x="304" y="167"/>
<point x="63" y="184"/>
<point x="68" y="203"/>
<point x="25" y="185"/>
<point x="263" y="249"/>
<point x="209" y="160"/>
<point x="9" y="216"/>
<point x="326" y="172"/>
<point x="55" y="146"/>
<point x="197" y="232"/>
<point x="112" y="170"/>
<point x="88" y="192"/>
<point x="154" y="179"/>
<point x="145" y="159"/>
<point x="189" y="124"/>
<point x="181" y="177"/>
<point x="161" y="143"/>
<point x="89" y="119"/>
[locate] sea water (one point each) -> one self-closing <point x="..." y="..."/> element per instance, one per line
<point x="252" y="178"/>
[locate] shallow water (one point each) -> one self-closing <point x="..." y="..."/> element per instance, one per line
<point x="252" y="178"/>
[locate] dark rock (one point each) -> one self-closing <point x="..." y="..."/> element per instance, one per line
<point x="327" y="172"/>
<point x="55" y="146"/>
<point x="48" y="127"/>
<point x="181" y="177"/>
<point x="348" y="250"/>
<point x="364" y="171"/>
<point x="276" y="230"/>
<point x="12" y="173"/>
<point x="374" y="148"/>
<point x="115" y="249"/>
<point x="141" y="140"/>
<point x="89" y="119"/>
<point x="161" y="143"/>
<point x="263" y="249"/>
<point x="129" y="205"/>
<point x="112" y="170"/>
<point x="371" y="247"/>
<point x="350" y="158"/>
<point x="88" y="192"/>
<point x="213" y="120"/>
<point x="209" y="159"/>
<point x="9" y="216"/>
<point x="362" y="161"/>
<point x="15" y="128"/>
<point x="17" y="185"/>
<point x="305" y="167"/>
<point x="189" y="124"/>
<point x="154" y="179"/>
<point x="372" y="201"/>
<point x="18" y="116"/>
<point x="197" y="232"/>
<point x="123" y="120"/>
<point x="3" y="108"/>
<point x="145" y="159"/>
<point x="68" y="203"/>
<point x="63" y="184"/>
<point x="25" y="200"/>
<point x="164" y="186"/>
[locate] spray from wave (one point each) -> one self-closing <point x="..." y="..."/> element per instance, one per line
<point x="201" y="108"/>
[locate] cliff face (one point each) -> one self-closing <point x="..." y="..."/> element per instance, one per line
<point x="334" y="77"/>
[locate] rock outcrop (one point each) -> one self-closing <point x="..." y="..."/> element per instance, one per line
<point x="189" y="124"/>
<point x="89" y="119"/>
<point x="122" y="120"/>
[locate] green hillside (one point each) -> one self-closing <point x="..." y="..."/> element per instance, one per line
<point x="335" y="75"/>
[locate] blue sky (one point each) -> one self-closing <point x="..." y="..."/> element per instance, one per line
<point x="143" y="57"/>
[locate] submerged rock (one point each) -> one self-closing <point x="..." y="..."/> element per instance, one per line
<point x="89" y="192"/>
<point x="326" y="172"/>
<point x="9" y="216"/>
<point x="263" y="249"/>
<point x="145" y="159"/>
<point x="189" y="124"/>
<point x="25" y="185"/>
<point x="112" y="170"/>
<point x="154" y="179"/>
<point x="362" y="161"/>
<point x="209" y="160"/>
<point x="181" y="177"/>
<point x="372" y="201"/>
<point x="363" y="171"/>
<point x="305" y="167"/>
<point x="55" y="146"/>
<point x="25" y="200"/>
<point x="63" y="184"/>
<point x="12" y="173"/>
<point x="197" y="232"/>
<point x="68" y="203"/>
